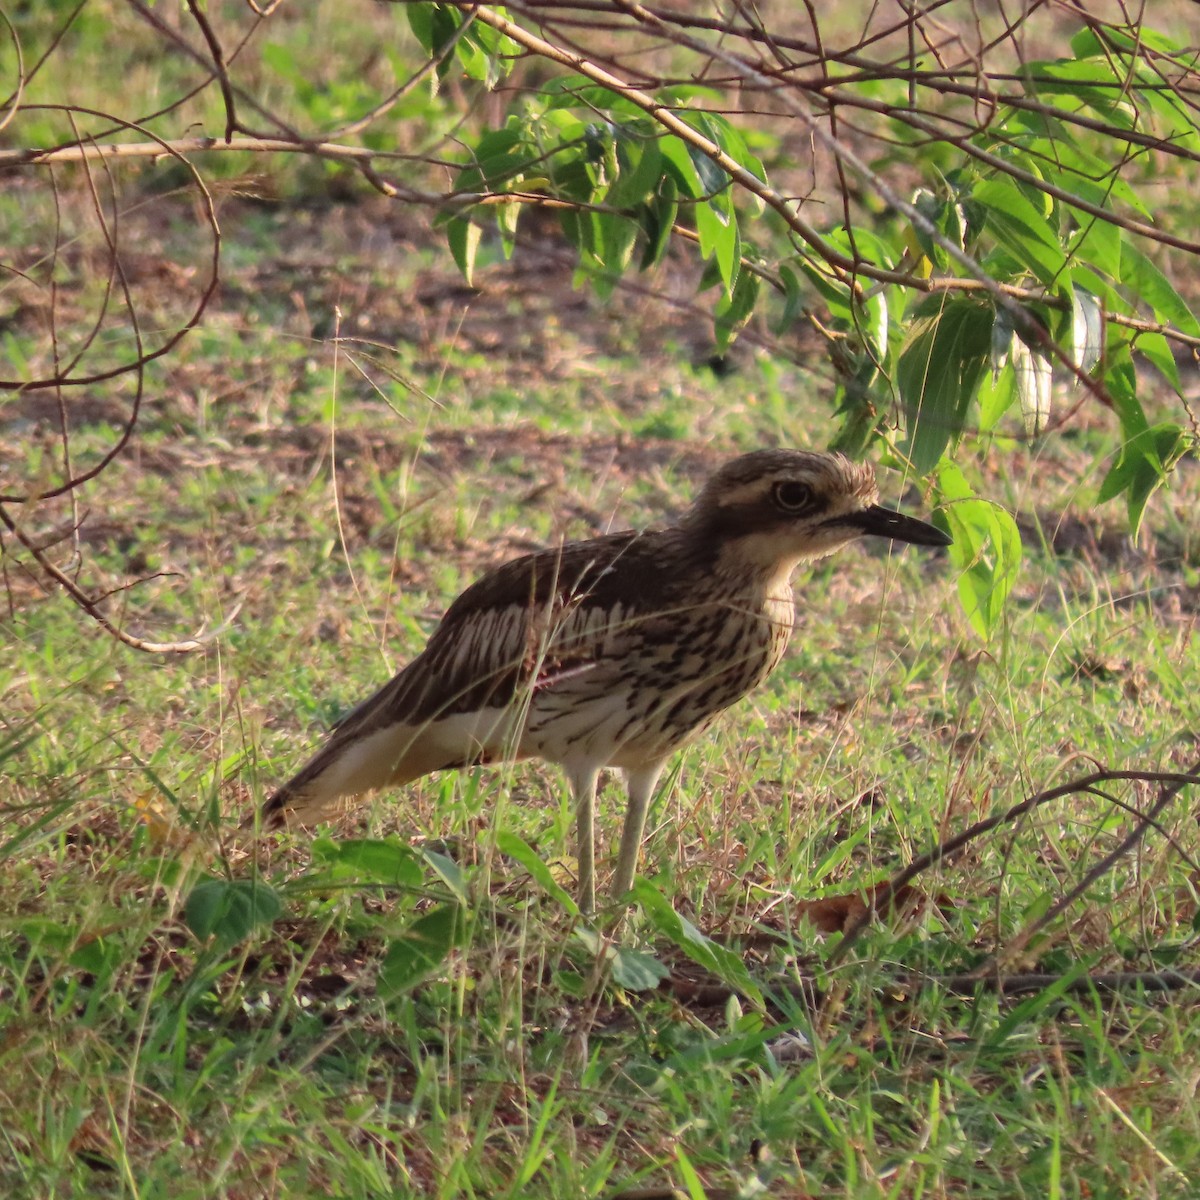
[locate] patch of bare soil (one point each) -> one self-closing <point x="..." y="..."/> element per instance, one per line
<point x="308" y="273"/>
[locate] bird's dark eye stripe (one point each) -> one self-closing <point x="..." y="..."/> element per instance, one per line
<point x="791" y="496"/>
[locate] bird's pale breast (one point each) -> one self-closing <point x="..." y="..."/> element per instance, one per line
<point x="626" y="689"/>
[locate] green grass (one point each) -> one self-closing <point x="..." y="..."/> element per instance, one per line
<point x="142" y="1060"/>
<point x="308" y="1048"/>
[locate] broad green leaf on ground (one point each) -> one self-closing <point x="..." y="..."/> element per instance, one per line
<point x="448" y="871"/>
<point x="518" y="849"/>
<point x="633" y="970"/>
<point x="421" y="949"/>
<point x="637" y="971"/>
<point x="723" y="963"/>
<point x="229" y="909"/>
<point x="372" y="860"/>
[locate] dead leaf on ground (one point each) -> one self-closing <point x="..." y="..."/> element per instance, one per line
<point x="836" y="914"/>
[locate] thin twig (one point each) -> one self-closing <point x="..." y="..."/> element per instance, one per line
<point x="946" y="850"/>
<point x="220" y="71"/>
<point x="1171" y="789"/>
<point x="91" y="606"/>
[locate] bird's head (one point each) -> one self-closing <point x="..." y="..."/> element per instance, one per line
<point x="769" y="510"/>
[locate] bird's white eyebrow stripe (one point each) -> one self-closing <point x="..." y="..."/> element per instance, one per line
<point x="755" y="489"/>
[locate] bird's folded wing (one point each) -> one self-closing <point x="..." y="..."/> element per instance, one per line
<point x="525" y="625"/>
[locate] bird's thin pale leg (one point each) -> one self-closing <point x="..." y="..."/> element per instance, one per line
<point x="641" y="791"/>
<point x="583" y="785"/>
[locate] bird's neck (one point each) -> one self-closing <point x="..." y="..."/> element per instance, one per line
<point x="752" y="568"/>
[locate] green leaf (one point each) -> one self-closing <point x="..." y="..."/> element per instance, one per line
<point x="98" y="956"/>
<point x="947" y="350"/>
<point x="1120" y="379"/>
<point x="577" y="229"/>
<point x="507" y="216"/>
<point x="475" y="61"/>
<point x="793" y="299"/>
<point x="1142" y="466"/>
<point x="640" y="172"/>
<point x="1088" y="80"/>
<point x="463" y="237"/>
<point x="1156" y="349"/>
<point x="723" y="963"/>
<point x="1022" y="230"/>
<point x="374" y="860"/>
<point x="713" y="179"/>
<point x="729" y="138"/>
<point x="836" y="294"/>
<point x="433" y="24"/>
<point x="1029" y="1012"/>
<point x="45" y="934"/>
<point x="486" y="54"/>
<point x="986" y="550"/>
<point x="1085" y="43"/>
<point x="1099" y="286"/>
<point x="1150" y="285"/>
<point x="871" y="319"/>
<point x="997" y="394"/>
<point x="448" y="871"/>
<point x="615" y="237"/>
<point x="421" y="949"/>
<point x="497" y="173"/>
<point x="719" y="239"/>
<point x="1097" y="243"/>
<point x="1113" y="37"/>
<point x="721" y="130"/>
<point x="637" y="971"/>
<point x="678" y="162"/>
<point x="659" y="222"/>
<point x="228" y="909"/>
<point x="734" y="311"/>
<point x="631" y="969"/>
<point x="579" y="92"/>
<point x="521" y="852"/>
<point x="691" y="1177"/>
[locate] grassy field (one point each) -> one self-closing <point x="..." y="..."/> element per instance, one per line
<point x="321" y="501"/>
<point x="408" y="1004"/>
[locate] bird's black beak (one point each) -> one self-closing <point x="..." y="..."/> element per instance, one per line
<point x="900" y="527"/>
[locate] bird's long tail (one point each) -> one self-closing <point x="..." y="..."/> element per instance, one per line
<point x="370" y="752"/>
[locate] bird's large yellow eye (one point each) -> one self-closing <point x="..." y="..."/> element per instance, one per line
<point x="791" y="496"/>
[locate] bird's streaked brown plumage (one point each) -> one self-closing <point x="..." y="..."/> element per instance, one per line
<point x="611" y="652"/>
